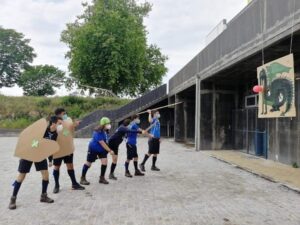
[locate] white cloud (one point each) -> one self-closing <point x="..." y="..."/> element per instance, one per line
<point x="178" y="27"/>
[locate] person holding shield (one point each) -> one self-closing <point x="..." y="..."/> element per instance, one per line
<point x="42" y="166"/>
<point x="68" y="160"/>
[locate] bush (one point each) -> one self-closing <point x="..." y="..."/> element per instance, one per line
<point x="72" y="100"/>
<point x="19" y="112"/>
<point x="16" y="123"/>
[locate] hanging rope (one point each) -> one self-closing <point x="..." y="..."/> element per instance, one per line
<point x="293" y="25"/>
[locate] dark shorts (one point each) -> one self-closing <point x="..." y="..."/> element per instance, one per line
<point x="131" y="151"/>
<point x="25" y="165"/>
<point x="113" y="147"/>
<point x="93" y="156"/>
<point x="154" y="146"/>
<point x="67" y="160"/>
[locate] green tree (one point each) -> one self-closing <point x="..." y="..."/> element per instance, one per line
<point x="154" y="67"/>
<point x="15" y="56"/>
<point x="108" y="48"/>
<point x="41" y="80"/>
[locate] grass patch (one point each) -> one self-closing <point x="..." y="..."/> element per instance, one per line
<point x="19" y="112"/>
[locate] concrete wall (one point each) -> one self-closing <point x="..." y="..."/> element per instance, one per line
<point x="261" y="23"/>
<point x="225" y="123"/>
<point x="185" y="116"/>
<point x="215" y="109"/>
<point x="237" y="53"/>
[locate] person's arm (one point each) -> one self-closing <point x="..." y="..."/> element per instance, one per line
<point x="140" y="131"/>
<point x="50" y="158"/>
<point x="146" y="133"/>
<point x="76" y="123"/>
<point x="150" y="120"/>
<point x="127" y="130"/>
<point x="105" y="146"/>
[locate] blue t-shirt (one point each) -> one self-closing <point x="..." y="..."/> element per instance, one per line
<point x="94" y="144"/>
<point x="122" y="131"/>
<point x="132" y="136"/>
<point x="155" y="130"/>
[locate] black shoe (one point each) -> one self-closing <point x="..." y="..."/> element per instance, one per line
<point x="127" y="174"/>
<point x="56" y="189"/>
<point x="103" y="181"/>
<point x="77" y="187"/>
<point x="138" y="173"/>
<point x="83" y="181"/>
<point x="154" y="168"/>
<point x="112" y="176"/>
<point x="46" y="199"/>
<point x="12" y="204"/>
<point x="142" y="167"/>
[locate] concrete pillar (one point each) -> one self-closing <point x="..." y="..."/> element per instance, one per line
<point x="214" y="118"/>
<point x="198" y="115"/>
<point x="189" y="119"/>
<point x="179" y="133"/>
<point x="185" y="118"/>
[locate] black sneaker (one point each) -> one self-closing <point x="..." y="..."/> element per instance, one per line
<point x="12" y="204"/>
<point x="127" y="174"/>
<point x="138" y="173"/>
<point x="46" y="199"/>
<point x="102" y="180"/>
<point x="77" y="187"/>
<point x="154" y="168"/>
<point x="83" y="181"/>
<point x="56" y="189"/>
<point x="142" y="167"/>
<point x="112" y="177"/>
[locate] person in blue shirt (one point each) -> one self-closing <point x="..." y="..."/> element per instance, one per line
<point x="131" y="146"/>
<point x="98" y="149"/>
<point x="154" y="140"/>
<point x="114" y="142"/>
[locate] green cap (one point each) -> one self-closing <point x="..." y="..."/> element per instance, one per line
<point x="104" y="121"/>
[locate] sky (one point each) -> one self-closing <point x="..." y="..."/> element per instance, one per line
<point x="178" y="27"/>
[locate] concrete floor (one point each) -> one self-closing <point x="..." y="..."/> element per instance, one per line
<point x="192" y="188"/>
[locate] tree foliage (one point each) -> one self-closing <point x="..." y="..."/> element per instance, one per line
<point x="15" y="56"/>
<point x="41" y="80"/>
<point x="108" y="48"/>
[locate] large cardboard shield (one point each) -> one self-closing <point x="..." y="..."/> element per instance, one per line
<point x="65" y="140"/>
<point x="32" y="145"/>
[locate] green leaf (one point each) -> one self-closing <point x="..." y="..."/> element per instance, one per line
<point x="41" y="80"/>
<point x="15" y="56"/>
<point x="108" y="48"/>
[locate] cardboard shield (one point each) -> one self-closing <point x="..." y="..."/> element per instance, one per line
<point x="65" y="140"/>
<point x="32" y="145"/>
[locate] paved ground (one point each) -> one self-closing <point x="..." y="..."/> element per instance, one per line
<point x="192" y="188"/>
<point x="274" y="171"/>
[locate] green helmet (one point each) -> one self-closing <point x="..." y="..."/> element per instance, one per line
<point x="104" y="121"/>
